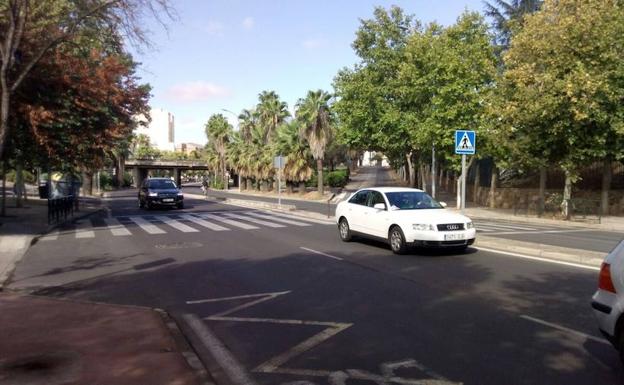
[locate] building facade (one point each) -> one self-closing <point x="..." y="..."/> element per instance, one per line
<point x="161" y="130"/>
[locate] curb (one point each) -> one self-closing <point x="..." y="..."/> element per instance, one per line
<point x="555" y="253"/>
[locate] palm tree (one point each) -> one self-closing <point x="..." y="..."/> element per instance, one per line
<point x="218" y="131"/>
<point x="505" y="13"/>
<point x="271" y="113"/>
<point x="315" y="114"/>
<point x="297" y="168"/>
<point x="247" y="121"/>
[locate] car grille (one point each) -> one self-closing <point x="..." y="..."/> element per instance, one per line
<point x="167" y="195"/>
<point x="451" y="227"/>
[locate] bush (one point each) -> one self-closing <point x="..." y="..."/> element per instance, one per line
<point x="338" y="178"/>
<point x="127" y="179"/>
<point x="106" y="180"/>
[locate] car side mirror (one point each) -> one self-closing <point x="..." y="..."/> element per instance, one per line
<point x="379" y="206"/>
<point x="443" y="204"/>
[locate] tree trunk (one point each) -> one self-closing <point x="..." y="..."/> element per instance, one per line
<point x="302" y="188"/>
<point x="410" y="170"/>
<point x="319" y="166"/>
<point x="121" y="170"/>
<point x="3" y="208"/>
<point x="18" y="182"/>
<point x="249" y="184"/>
<point x="542" y="191"/>
<point x="422" y="173"/>
<point x="4" y="109"/>
<point x="289" y="187"/>
<point x="477" y="181"/>
<point x="87" y="185"/>
<point x="493" y="186"/>
<point x="566" y="205"/>
<point x="607" y="174"/>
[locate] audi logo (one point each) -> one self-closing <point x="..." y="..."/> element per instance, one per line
<point x="452" y="227"/>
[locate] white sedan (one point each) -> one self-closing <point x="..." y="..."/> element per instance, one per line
<point x="404" y="217"/>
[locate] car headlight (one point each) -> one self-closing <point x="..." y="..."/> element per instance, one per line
<point x="469" y="225"/>
<point x="153" y="194"/>
<point x="422" y="227"/>
<point x="180" y="194"/>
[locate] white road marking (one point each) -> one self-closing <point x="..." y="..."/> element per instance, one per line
<point x="277" y="361"/>
<point x="53" y="236"/>
<point x="479" y="228"/>
<point x="146" y="226"/>
<point x="536" y="232"/>
<point x="176" y="224"/>
<point x="507" y="227"/>
<point x="274" y="218"/>
<point x="82" y="232"/>
<point x="203" y="223"/>
<point x="253" y="220"/>
<point x="263" y="297"/>
<point x="116" y="228"/>
<point x="565" y="329"/>
<point x="300" y="218"/>
<point x="234" y="370"/>
<point x="539" y="259"/>
<point x="228" y="221"/>
<point x="321" y="253"/>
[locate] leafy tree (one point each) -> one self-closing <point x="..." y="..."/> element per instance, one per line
<point x="366" y="95"/>
<point x="507" y="15"/>
<point x="218" y="132"/>
<point x="31" y="31"/>
<point x="314" y="112"/>
<point x="565" y="83"/>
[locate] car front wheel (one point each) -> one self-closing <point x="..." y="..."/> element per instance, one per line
<point x="397" y="240"/>
<point x="344" y="230"/>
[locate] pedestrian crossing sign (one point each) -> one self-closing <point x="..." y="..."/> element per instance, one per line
<point x="465" y="142"/>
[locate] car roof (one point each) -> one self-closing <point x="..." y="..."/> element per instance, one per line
<point x="392" y="189"/>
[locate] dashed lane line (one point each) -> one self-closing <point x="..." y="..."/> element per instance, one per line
<point x="517" y="255"/>
<point x="321" y="253"/>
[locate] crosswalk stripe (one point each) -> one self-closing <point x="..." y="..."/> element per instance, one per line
<point x="479" y="228"/>
<point x="273" y="218"/>
<point x="229" y="222"/>
<point x="53" y="236"/>
<point x="176" y="224"/>
<point x="147" y="226"/>
<point x="82" y="232"/>
<point x="322" y="222"/>
<point x="253" y="220"/>
<point x="116" y="228"/>
<point x="204" y="223"/>
<point x="507" y="227"/>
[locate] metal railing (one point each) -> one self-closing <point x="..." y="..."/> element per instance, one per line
<point x="60" y="208"/>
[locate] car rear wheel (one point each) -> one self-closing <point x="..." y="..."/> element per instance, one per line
<point x="397" y="240"/>
<point x="344" y="230"/>
<point x="180" y="205"/>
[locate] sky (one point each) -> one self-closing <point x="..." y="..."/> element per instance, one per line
<point x="220" y="54"/>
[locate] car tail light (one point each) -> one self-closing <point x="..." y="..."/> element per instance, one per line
<point x="605" y="282"/>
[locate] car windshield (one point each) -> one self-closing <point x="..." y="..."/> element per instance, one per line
<point x="162" y="184"/>
<point x="411" y="200"/>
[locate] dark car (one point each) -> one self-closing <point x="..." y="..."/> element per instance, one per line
<point x="160" y="192"/>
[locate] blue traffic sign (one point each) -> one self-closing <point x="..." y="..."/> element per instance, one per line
<point x="465" y="142"/>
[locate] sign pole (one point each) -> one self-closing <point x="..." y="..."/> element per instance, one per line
<point x="433" y="172"/>
<point x="279" y="187"/>
<point x="463" y="184"/>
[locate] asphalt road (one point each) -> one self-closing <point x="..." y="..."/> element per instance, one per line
<point x="295" y="305"/>
<point x="555" y="235"/>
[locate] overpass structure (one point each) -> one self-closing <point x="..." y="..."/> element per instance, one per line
<point x="141" y="167"/>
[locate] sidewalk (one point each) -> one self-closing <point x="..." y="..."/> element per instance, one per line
<point x="54" y="341"/>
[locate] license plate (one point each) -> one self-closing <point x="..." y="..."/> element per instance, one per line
<point x="453" y="237"/>
<point x="168" y="200"/>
